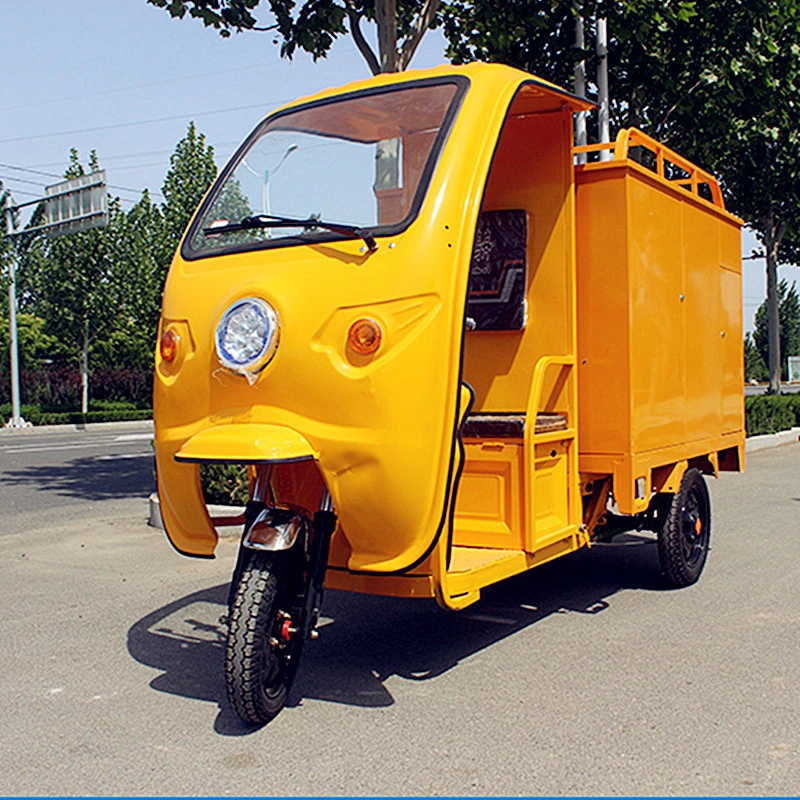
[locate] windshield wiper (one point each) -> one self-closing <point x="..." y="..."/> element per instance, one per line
<point x="269" y="221"/>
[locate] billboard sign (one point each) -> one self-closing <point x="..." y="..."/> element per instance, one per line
<point x="794" y="369"/>
<point x="76" y="205"/>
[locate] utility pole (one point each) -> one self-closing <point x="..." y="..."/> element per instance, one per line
<point x="16" y="420"/>
<point x="602" y="85"/>
<point x="580" y="84"/>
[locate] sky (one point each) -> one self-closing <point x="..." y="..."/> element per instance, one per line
<point x="123" y="78"/>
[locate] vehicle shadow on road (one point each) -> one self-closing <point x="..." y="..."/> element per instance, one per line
<point x="89" y="478"/>
<point x="367" y="639"/>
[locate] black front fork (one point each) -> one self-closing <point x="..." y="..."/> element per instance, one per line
<point x="251" y="512"/>
<point x="323" y="526"/>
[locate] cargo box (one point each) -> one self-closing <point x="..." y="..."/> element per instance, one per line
<point x="660" y="357"/>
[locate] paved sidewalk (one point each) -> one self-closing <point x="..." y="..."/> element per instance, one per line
<point x="134" y="425"/>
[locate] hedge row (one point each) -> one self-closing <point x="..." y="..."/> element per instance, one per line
<point x="771" y="413"/>
<point x="38" y="416"/>
<point x="60" y="385"/>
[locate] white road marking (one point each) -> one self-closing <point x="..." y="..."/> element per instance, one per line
<point x="133" y="437"/>
<point x="51" y="447"/>
<point x="124" y="455"/>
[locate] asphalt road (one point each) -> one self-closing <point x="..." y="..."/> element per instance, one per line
<point x="583" y="677"/>
<point x="786" y="388"/>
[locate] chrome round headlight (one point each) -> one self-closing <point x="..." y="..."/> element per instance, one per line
<point x="247" y="335"/>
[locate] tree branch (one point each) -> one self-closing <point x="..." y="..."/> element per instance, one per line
<point x="354" y="18"/>
<point x="666" y="116"/>
<point x="421" y="24"/>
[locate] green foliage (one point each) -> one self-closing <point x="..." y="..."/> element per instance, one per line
<point x="224" y="484"/>
<point x="771" y="413"/>
<point x="314" y="25"/>
<point x="143" y="255"/>
<point x="789" y="317"/>
<point x="755" y="368"/>
<point x="533" y="35"/>
<point x="34" y="343"/>
<point x="191" y="172"/>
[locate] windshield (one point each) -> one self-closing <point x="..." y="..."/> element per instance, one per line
<point x="363" y="161"/>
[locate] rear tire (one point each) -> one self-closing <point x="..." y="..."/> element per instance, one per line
<point x="685" y="536"/>
<point x="261" y="656"/>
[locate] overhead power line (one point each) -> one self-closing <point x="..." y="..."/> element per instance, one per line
<point x="61" y="177"/>
<point x="117" y="90"/>
<point x="188" y="115"/>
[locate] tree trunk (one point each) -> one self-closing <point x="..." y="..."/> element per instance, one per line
<point x="85" y="374"/>
<point x="773" y="233"/>
<point x="389" y="58"/>
<point x="386" y="17"/>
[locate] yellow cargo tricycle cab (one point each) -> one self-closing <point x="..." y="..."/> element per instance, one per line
<point x="387" y="308"/>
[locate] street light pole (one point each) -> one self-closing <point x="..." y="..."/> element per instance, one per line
<point x="267" y="176"/>
<point x="16" y="420"/>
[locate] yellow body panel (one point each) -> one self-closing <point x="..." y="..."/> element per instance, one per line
<point x="420" y="512"/>
<point x="659" y="327"/>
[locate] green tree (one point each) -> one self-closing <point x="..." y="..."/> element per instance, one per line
<point x="143" y="255"/>
<point x="192" y="170"/>
<point x="315" y="24"/>
<point x="754" y="366"/>
<point x="34" y="343"/>
<point x="78" y="290"/>
<point x="789" y="317"/>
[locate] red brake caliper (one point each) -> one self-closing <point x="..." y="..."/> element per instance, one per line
<point x="287" y="630"/>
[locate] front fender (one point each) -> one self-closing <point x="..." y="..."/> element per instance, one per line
<point x="183" y="509"/>
<point x="247" y="443"/>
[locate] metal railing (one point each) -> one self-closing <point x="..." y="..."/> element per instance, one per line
<point x="667" y="163"/>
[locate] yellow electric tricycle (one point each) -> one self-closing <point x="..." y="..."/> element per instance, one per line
<point x="446" y="352"/>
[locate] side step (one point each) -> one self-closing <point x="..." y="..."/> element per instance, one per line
<point x="472" y="568"/>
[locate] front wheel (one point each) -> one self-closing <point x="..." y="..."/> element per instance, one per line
<point x="685" y="536"/>
<point x="265" y="635"/>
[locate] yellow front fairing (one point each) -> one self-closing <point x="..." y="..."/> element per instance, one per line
<point x="382" y="428"/>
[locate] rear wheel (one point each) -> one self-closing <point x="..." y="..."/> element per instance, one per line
<point x="685" y="536"/>
<point x="265" y="636"/>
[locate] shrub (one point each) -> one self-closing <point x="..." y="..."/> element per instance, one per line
<point x="771" y="413"/>
<point x="225" y="484"/>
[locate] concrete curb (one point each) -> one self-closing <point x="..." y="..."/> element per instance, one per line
<point x="756" y="443"/>
<point x="155" y="520"/>
<point x="134" y="424"/>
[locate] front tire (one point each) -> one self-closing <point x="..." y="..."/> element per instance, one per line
<point x="685" y="536"/>
<point x="265" y="638"/>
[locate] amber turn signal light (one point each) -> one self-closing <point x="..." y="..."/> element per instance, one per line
<point x="169" y="345"/>
<point x="364" y="337"/>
